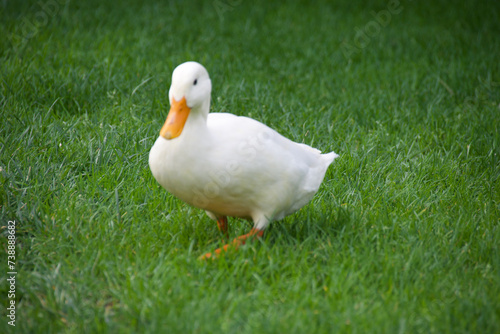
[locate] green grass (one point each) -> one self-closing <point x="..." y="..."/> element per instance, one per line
<point x="402" y="237"/>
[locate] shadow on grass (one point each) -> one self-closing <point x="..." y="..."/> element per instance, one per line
<point x="309" y="224"/>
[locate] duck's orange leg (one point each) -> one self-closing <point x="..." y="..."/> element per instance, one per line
<point x="254" y="233"/>
<point x="222" y="225"/>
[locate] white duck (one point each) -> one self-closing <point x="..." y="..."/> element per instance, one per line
<point x="230" y="165"/>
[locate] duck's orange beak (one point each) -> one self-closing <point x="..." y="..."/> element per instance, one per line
<point x="176" y="118"/>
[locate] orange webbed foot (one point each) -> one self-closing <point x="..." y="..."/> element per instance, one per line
<point x="254" y="233"/>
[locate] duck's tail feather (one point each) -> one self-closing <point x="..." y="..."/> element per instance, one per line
<point x="329" y="157"/>
<point x="317" y="173"/>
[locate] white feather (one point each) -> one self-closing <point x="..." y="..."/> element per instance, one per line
<point x="232" y="165"/>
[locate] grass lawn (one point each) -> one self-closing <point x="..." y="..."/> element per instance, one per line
<point x="402" y="237"/>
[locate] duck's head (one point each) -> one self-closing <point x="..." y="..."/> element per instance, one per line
<point x="189" y="94"/>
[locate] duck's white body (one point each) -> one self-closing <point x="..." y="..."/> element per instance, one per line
<point x="230" y="165"/>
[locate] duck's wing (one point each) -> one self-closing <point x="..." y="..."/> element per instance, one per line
<point x="275" y="174"/>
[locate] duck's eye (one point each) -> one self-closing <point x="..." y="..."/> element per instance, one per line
<point x="195" y="82"/>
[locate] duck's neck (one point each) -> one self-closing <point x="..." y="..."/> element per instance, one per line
<point x="204" y="110"/>
<point x="196" y="124"/>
